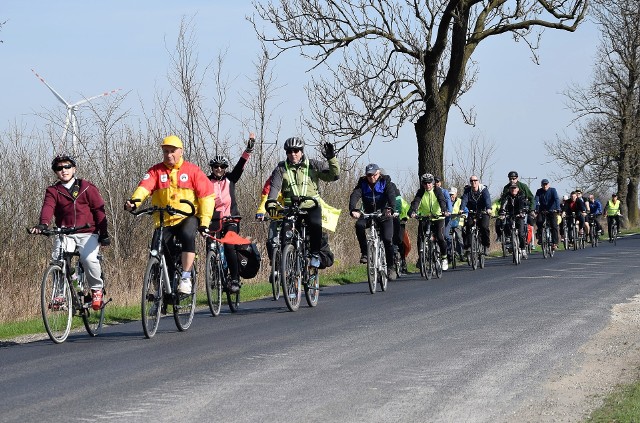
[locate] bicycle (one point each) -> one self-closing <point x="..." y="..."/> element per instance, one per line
<point x="503" y="238"/>
<point x="162" y="275"/>
<point x="455" y="245"/>
<point x="476" y="249"/>
<point x="275" y="257"/>
<point x="593" y="231"/>
<point x="429" y="250"/>
<point x="514" y="246"/>
<point x="294" y="260"/>
<point x="546" y="240"/>
<point x="565" y="231"/>
<point x="613" y="234"/>
<point x="577" y="233"/>
<point x="217" y="274"/>
<point x="64" y="292"/>
<point x="376" y="253"/>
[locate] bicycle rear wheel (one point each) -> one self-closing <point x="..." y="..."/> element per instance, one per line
<point x="614" y="234"/>
<point x="152" y="297"/>
<point x="274" y="276"/>
<point x="372" y="265"/>
<point x="213" y="282"/>
<point x="56" y="304"/>
<point x="184" y="305"/>
<point x="312" y="287"/>
<point x="454" y="253"/>
<point x="566" y="238"/>
<point x="437" y="264"/>
<point x="473" y="251"/>
<point x="382" y="268"/>
<point x="503" y="242"/>
<point x="233" y="300"/>
<point x="290" y="276"/>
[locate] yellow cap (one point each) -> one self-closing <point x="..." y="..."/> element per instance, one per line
<point x="173" y="141"/>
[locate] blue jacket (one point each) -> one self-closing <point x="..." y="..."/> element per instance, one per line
<point x="595" y="207"/>
<point x="547" y="200"/>
<point x="476" y="201"/>
<point x="383" y="194"/>
<point x="447" y="199"/>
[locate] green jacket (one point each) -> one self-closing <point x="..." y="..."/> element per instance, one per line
<point x="302" y="179"/>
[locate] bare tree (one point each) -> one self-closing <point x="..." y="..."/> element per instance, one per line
<point x="396" y="61"/>
<point x="606" y="151"/>
<point x="473" y="157"/>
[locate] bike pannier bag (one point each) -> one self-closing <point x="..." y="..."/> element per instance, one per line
<point x="326" y="255"/>
<point x="248" y="260"/>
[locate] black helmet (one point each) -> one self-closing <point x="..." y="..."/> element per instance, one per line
<point x="294" y="142"/>
<point x="62" y="158"/>
<point x="219" y="160"/>
<point x="427" y="178"/>
<point x="513" y="174"/>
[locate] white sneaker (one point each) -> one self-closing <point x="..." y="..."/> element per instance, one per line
<point x="445" y="264"/>
<point x="184" y="287"/>
<point x="524" y="252"/>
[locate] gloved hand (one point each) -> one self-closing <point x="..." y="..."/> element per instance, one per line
<point x="272" y="210"/>
<point x="387" y="212"/>
<point x="329" y="151"/>
<point x="104" y="240"/>
<point x="250" y="143"/>
<point x="259" y="216"/>
<point x="38" y="228"/>
<point x="203" y="229"/>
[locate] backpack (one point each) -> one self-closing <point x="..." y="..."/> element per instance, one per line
<point x="326" y="255"/>
<point x="248" y="260"/>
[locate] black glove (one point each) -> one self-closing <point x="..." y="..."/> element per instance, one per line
<point x="271" y="209"/>
<point x="104" y="240"/>
<point x="329" y="151"/>
<point x="250" y="145"/>
<point x="203" y="229"/>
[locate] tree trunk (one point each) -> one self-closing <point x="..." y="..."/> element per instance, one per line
<point x="632" y="201"/>
<point x="430" y="131"/>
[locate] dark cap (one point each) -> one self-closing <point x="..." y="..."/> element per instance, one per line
<point x="437" y="179"/>
<point x="614" y="194"/>
<point x="371" y="168"/>
<point x="544" y="182"/>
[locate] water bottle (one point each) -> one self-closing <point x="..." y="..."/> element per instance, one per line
<point x="223" y="259"/>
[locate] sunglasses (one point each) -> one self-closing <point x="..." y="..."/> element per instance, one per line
<point x="473" y="180"/>
<point x="218" y="166"/>
<point x="59" y="168"/>
<point x="293" y="150"/>
<point x="513" y="178"/>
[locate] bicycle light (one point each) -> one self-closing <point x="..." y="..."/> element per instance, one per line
<point x="154" y="253"/>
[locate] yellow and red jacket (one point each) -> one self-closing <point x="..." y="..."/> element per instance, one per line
<point x="167" y="186"/>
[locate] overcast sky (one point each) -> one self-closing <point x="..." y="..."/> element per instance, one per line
<point x="84" y="48"/>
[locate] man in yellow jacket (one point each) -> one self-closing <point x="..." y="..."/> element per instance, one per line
<point x="167" y="183"/>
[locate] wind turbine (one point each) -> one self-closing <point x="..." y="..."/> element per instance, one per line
<point x="71" y="111"/>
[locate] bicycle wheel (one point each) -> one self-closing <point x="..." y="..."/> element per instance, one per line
<point x="429" y="268"/>
<point x="290" y="276"/>
<point x="566" y="238"/>
<point x="515" y="244"/>
<point x="383" y="277"/>
<point x="92" y="319"/>
<point x="550" y="250"/>
<point x="422" y="257"/>
<point x="503" y="242"/>
<point x="372" y="265"/>
<point x="56" y="304"/>
<point x="481" y="255"/>
<point x="454" y="253"/>
<point x="437" y="264"/>
<point x="152" y="297"/>
<point x="473" y="250"/>
<point x="213" y="282"/>
<point x="545" y="242"/>
<point x="184" y="305"/>
<point x="274" y="276"/>
<point x="614" y="234"/>
<point x="312" y="287"/>
<point x="574" y="231"/>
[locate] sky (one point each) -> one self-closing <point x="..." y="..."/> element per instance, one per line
<point x="84" y="48"/>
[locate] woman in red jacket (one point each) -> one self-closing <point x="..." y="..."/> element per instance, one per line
<point x="77" y="202"/>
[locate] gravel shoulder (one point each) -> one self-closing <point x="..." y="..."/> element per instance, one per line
<point x="609" y="359"/>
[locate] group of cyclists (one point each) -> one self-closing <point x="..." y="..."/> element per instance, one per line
<point x="72" y="201"/>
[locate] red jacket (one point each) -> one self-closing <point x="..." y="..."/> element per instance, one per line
<point x="87" y="207"/>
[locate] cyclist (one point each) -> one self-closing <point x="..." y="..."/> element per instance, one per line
<point x="77" y="202"/>
<point x="224" y="188"/>
<point x="447" y="219"/>
<point x="299" y="176"/>
<point x="456" y="222"/>
<point x="376" y="192"/>
<point x="575" y="205"/>
<point x="613" y="212"/>
<point x="523" y="189"/>
<point x="596" y="210"/>
<point x="167" y="183"/>
<point x="547" y="200"/>
<point x="563" y="201"/>
<point x="515" y="206"/>
<point x="429" y="201"/>
<point x="476" y="198"/>
<point x="399" y="229"/>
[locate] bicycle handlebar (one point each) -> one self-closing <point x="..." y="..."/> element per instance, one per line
<point x="167" y="209"/>
<point x="60" y="231"/>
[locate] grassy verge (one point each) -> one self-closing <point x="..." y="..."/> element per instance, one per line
<point x="621" y="406"/>
<point x="119" y="314"/>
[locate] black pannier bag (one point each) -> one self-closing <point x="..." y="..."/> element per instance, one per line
<point x="326" y="256"/>
<point x="248" y="260"/>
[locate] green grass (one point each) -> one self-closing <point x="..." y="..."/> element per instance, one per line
<point x="621" y="406"/>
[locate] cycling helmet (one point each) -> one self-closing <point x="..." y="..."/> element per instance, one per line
<point x="513" y="174"/>
<point x="294" y="142"/>
<point x="427" y="178"/>
<point x="62" y="158"/>
<point x="219" y="160"/>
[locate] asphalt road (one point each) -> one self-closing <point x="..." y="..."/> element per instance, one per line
<point x="473" y="346"/>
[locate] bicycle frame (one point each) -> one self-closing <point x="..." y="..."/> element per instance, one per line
<point x="376" y="253"/>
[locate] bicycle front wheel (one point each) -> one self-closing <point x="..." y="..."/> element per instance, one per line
<point x="213" y="281"/>
<point x="184" y="305"/>
<point x="290" y="276"/>
<point x="503" y="241"/>
<point x="152" y="297"/>
<point x="437" y="264"/>
<point x="614" y="234"/>
<point x="473" y="251"/>
<point x="274" y="276"/>
<point x="383" y="275"/>
<point x="372" y="265"/>
<point x="56" y="304"/>
<point x="312" y="287"/>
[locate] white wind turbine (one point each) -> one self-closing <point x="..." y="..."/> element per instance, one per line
<point x="71" y="111"/>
